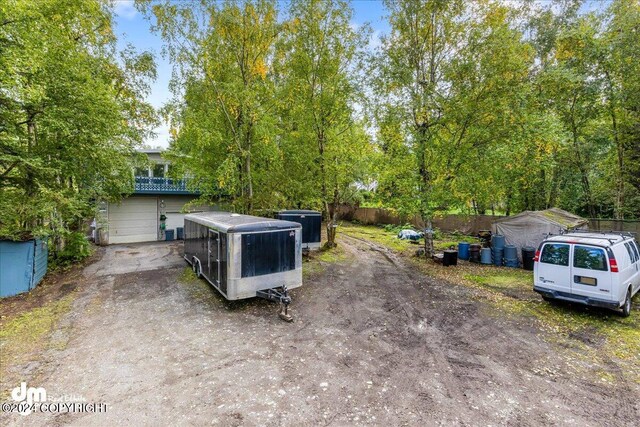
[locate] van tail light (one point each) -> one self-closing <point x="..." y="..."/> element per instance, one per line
<point x="537" y="257"/>
<point x="614" y="265"/>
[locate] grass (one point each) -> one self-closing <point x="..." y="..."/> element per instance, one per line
<point x="594" y="335"/>
<point x="27" y="333"/>
<point x="318" y="261"/>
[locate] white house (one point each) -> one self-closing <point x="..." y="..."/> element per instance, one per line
<point x="155" y="206"/>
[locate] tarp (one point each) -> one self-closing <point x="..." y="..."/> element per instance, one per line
<point x="530" y="228"/>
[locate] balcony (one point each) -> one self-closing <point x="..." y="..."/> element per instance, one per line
<point x="157" y="185"/>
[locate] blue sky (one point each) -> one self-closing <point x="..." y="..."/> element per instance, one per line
<point x="132" y="28"/>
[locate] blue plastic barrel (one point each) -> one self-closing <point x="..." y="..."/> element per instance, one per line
<point x="513" y="263"/>
<point x="485" y="256"/>
<point x="168" y="234"/>
<point x="463" y="250"/>
<point x="180" y="233"/>
<point x="497" y="254"/>
<point x="497" y="241"/>
<point x="511" y="256"/>
<point x="510" y="252"/>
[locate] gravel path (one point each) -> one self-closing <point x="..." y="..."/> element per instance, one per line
<point x="373" y="342"/>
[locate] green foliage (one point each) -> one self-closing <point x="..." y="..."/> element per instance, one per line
<point x="76" y="247"/>
<point x="70" y="115"/>
<point x="267" y="118"/>
<point x="508" y="107"/>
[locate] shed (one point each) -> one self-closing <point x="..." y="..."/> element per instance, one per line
<point x="529" y="228"/>
<point x="22" y="265"/>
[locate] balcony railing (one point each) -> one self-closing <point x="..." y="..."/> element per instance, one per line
<point x="157" y="185"/>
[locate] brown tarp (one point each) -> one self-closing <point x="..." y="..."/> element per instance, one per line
<point x="529" y="228"/>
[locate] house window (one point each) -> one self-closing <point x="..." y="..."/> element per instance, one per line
<point x="158" y="170"/>
<point x="142" y="172"/>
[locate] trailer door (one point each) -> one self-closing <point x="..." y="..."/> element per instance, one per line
<point x="213" y="257"/>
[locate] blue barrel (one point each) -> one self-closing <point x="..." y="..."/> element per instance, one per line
<point x="513" y="263"/>
<point x="497" y="254"/>
<point x="463" y="250"/>
<point x="168" y="234"/>
<point x="485" y="256"/>
<point x="510" y="252"/>
<point x="180" y="233"/>
<point x="511" y="256"/>
<point x="497" y="241"/>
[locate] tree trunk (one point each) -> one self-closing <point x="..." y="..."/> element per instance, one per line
<point x="584" y="173"/>
<point x="553" y="192"/>
<point x="249" y="183"/>
<point x="331" y="225"/>
<point x="428" y="239"/>
<point x="31" y="141"/>
<point x="619" y="203"/>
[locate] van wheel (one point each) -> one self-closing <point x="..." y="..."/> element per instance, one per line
<point x="626" y="308"/>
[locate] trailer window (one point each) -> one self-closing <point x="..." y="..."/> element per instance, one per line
<point x="554" y="253"/>
<point x="589" y="258"/>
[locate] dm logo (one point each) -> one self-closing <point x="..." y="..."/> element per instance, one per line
<point x="29" y="396"/>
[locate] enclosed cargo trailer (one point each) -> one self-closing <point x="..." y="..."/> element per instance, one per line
<point x="311" y="222"/>
<point x="245" y="256"/>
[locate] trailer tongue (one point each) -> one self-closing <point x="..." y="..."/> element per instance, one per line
<point x="277" y="296"/>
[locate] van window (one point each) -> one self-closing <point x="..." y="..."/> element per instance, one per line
<point x="590" y="258"/>
<point x="634" y="247"/>
<point x="555" y="253"/>
<point x="632" y="255"/>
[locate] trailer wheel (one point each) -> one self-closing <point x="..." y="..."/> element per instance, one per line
<point x="626" y="308"/>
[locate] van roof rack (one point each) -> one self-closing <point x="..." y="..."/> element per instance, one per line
<point x="624" y="234"/>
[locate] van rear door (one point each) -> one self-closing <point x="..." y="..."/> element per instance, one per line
<point x="590" y="275"/>
<point x="552" y="269"/>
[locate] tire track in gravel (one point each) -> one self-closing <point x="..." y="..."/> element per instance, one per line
<point x="434" y="342"/>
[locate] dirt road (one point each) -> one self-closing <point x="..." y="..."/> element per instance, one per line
<point x="373" y="343"/>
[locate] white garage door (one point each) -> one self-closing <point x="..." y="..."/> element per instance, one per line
<point x="134" y="220"/>
<point x="172" y="206"/>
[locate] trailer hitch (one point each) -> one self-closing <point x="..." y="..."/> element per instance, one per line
<point x="277" y="296"/>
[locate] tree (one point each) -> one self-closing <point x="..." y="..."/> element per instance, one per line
<point x="224" y="121"/>
<point x="71" y="115"/>
<point x="320" y="131"/>
<point x="452" y="73"/>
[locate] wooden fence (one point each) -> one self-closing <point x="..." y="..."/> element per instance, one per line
<point x="467" y="224"/>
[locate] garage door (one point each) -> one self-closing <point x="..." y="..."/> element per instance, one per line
<point x="173" y="205"/>
<point x="134" y="220"/>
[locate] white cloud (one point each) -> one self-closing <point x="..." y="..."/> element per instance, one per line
<point x="125" y="9"/>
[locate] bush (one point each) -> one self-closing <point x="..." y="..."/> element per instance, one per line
<point x="75" y="248"/>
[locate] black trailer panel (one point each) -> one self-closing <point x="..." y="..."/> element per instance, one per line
<point x="311" y="222"/>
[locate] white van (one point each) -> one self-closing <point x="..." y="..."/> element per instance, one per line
<point x="599" y="269"/>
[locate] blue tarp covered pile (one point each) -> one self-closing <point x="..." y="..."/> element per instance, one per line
<point x="410" y="235"/>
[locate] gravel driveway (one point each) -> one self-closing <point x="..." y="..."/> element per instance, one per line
<point x="372" y="343"/>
